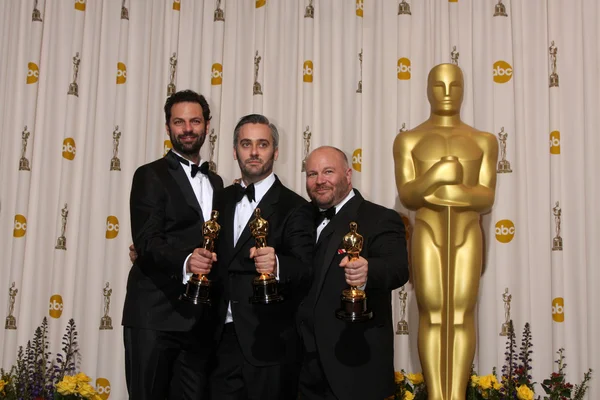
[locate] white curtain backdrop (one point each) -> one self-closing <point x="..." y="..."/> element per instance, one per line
<point x="310" y="71"/>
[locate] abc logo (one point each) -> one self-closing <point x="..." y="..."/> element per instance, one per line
<point x="260" y="3"/>
<point x="176" y="5"/>
<point x="502" y="72"/>
<point x="558" y="309"/>
<point x="555" y="142"/>
<point x="121" y="73"/>
<point x="359" y="8"/>
<point x="103" y="388"/>
<point x="112" y="227"/>
<point x="167" y="146"/>
<point x="56" y="306"/>
<point x="33" y="73"/>
<point x="357" y="159"/>
<point x="20" y="226"/>
<point x="307" y="71"/>
<point x="216" y="75"/>
<point x="80" y="5"/>
<point x="403" y="68"/>
<point x="69" y="149"/>
<point x="505" y="230"/>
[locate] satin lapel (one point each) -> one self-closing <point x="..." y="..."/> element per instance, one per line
<point x="337" y="229"/>
<point x="267" y="206"/>
<point x="183" y="183"/>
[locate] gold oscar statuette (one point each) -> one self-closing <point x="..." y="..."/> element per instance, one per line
<point x="11" y="321"/>
<point x="553" y="50"/>
<point x="256" y="89"/>
<point x="506" y="298"/>
<point x="557" y="242"/>
<point x="503" y="164"/>
<point x="500" y="10"/>
<point x="309" y="11"/>
<point x="61" y="241"/>
<point x="360" y="59"/>
<point x="36" y="15"/>
<point x="219" y="14"/>
<point x="306" y="135"/>
<point x="264" y="286"/>
<point x="403" y="129"/>
<point x="106" y="321"/>
<point x="353" y="300"/>
<point x="124" y="11"/>
<point x="171" y="89"/>
<point x="454" y="55"/>
<point x="404" y="8"/>
<point x="197" y="289"/>
<point x="402" y="326"/>
<point x="115" y="163"/>
<point x="24" y="162"/>
<point x="73" y="87"/>
<point x="212" y="139"/>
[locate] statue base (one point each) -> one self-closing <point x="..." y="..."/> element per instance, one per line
<point x="309" y="12"/>
<point x="171" y="89"/>
<point x="359" y="89"/>
<point x="61" y="243"/>
<point x="354" y="306"/>
<point x="115" y="164"/>
<point x="105" y="323"/>
<point x="212" y="167"/>
<point x="73" y="89"/>
<point x="36" y="15"/>
<point x="557" y="244"/>
<point x="124" y="13"/>
<point x="197" y="290"/>
<point x="11" y="322"/>
<point x="505" y="331"/>
<point x="265" y="290"/>
<point x="219" y="15"/>
<point x="500" y="11"/>
<point x="24" y="164"/>
<point x="404" y="9"/>
<point x="257" y="89"/>
<point x="553" y="80"/>
<point x="503" y="167"/>
<point x="402" y="328"/>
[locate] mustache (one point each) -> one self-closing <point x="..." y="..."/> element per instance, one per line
<point x="252" y="159"/>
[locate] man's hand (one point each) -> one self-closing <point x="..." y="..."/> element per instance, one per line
<point x="200" y="262"/>
<point x="264" y="260"/>
<point x="132" y="253"/>
<point x="356" y="270"/>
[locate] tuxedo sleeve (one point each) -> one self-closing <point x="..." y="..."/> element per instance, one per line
<point x="388" y="256"/>
<point x="147" y="207"/>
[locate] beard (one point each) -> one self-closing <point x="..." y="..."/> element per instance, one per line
<point x="188" y="149"/>
<point x="252" y="171"/>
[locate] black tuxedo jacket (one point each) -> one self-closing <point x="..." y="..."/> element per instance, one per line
<point x="357" y="358"/>
<point x="266" y="333"/>
<point x="166" y="225"/>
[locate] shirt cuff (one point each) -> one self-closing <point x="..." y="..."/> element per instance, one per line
<point x="186" y="275"/>
<point x="277" y="268"/>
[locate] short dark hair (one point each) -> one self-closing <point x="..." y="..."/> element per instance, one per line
<point x="187" y="96"/>
<point x="256" y="119"/>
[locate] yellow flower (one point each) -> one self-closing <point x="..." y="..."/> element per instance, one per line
<point x="474" y="380"/>
<point x="485" y="382"/>
<point x="81" y="377"/>
<point x="86" y="390"/>
<point x="408" y="395"/>
<point x="2" y="384"/>
<point x="398" y="377"/>
<point x="67" y="385"/>
<point x="497" y="386"/>
<point x="415" y="379"/>
<point x="524" y="393"/>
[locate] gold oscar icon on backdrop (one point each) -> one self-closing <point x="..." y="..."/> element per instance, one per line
<point x="404" y="8"/>
<point x="503" y="164"/>
<point x="264" y="287"/>
<point x="197" y="289"/>
<point x="124" y="11"/>
<point x="256" y="89"/>
<point x="402" y="326"/>
<point x="360" y="58"/>
<point x="557" y="242"/>
<point x="24" y="162"/>
<point x="553" y="50"/>
<point x="306" y="135"/>
<point x="500" y="10"/>
<point x="212" y="139"/>
<point x="454" y="55"/>
<point x="506" y="298"/>
<point x="219" y="15"/>
<point x="73" y="87"/>
<point x="61" y="241"/>
<point x="106" y="321"/>
<point x="353" y="300"/>
<point x="115" y="163"/>
<point x="171" y="89"/>
<point x="403" y="129"/>
<point x="309" y="11"/>
<point x="11" y="321"/>
<point x="36" y="15"/>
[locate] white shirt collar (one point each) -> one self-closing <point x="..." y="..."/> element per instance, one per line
<point x="261" y="187"/>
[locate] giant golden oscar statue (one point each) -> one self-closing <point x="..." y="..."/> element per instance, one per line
<point x="446" y="171"/>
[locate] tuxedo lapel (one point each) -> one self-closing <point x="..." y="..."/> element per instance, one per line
<point x="183" y="183"/>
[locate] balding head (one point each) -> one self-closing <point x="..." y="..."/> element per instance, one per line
<point x="328" y="176"/>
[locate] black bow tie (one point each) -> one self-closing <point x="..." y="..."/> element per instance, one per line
<point x="325" y="214"/>
<point x="241" y="191"/>
<point x="195" y="168"/>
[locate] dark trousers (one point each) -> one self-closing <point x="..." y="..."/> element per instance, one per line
<point x="313" y="382"/>
<point x="236" y="379"/>
<point x="166" y="365"/>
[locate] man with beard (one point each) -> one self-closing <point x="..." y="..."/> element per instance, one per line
<point x="167" y="341"/>
<point x="257" y="356"/>
<point x="349" y="360"/>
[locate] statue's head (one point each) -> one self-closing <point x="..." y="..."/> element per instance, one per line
<point x="445" y="87"/>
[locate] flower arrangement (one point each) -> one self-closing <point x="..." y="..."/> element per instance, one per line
<point x="515" y="381"/>
<point x="37" y="376"/>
